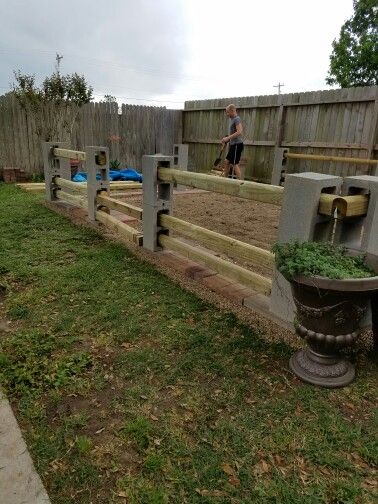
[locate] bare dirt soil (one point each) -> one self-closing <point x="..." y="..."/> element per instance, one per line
<point x="248" y="221"/>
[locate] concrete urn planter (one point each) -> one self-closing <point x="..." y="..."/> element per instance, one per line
<point x="329" y="315"/>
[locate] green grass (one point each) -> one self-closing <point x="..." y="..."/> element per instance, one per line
<point x="130" y="389"/>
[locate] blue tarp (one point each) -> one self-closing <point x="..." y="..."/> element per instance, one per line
<point x="114" y="175"/>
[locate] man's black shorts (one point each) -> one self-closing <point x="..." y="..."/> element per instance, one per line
<point x="234" y="153"/>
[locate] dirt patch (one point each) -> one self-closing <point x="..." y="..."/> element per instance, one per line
<point x="245" y="220"/>
<point x="248" y="221"/>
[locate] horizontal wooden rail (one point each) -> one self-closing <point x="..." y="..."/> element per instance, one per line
<point x="272" y="143"/>
<point x="217" y="241"/>
<point x="121" y="206"/>
<point x="123" y="230"/>
<point x="69" y="154"/>
<point x="240" y="188"/>
<point x="79" y="201"/>
<point x="123" y="186"/>
<point x="77" y="187"/>
<point x="337" y="159"/>
<point x="347" y="206"/>
<point x="233" y="271"/>
<point x="114" y="186"/>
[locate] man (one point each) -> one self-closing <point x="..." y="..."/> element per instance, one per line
<point x="235" y="141"/>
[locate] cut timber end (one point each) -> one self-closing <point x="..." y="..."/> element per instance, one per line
<point x="121" y="206"/>
<point x="347" y="206"/>
<point x="80" y="201"/>
<point x="122" y="229"/>
<point x="78" y="187"/>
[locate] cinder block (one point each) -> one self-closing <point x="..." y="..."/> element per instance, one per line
<point x="300" y="220"/>
<point x="361" y="233"/>
<point x="279" y="166"/>
<point x="157" y="198"/>
<point x="180" y="156"/>
<point x="96" y="163"/>
<point x="54" y="167"/>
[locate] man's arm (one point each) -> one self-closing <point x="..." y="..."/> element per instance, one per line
<point x="239" y="131"/>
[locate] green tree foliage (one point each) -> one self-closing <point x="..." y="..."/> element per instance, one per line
<point x="354" y="59"/>
<point x="109" y="99"/>
<point x="55" y="104"/>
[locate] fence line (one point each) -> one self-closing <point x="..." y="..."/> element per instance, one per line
<point x="129" y="133"/>
<point x="331" y="123"/>
<point x="339" y="122"/>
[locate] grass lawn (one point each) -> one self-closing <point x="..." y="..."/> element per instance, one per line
<point x="132" y="390"/>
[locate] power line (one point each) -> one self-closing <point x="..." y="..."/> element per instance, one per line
<point x="279" y="86"/>
<point x="142" y="69"/>
<point x="141" y="99"/>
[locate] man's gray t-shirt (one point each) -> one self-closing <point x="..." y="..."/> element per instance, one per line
<point x="233" y="123"/>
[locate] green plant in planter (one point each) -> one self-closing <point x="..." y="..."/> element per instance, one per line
<point x="115" y="164"/>
<point x="331" y="290"/>
<point x="323" y="259"/>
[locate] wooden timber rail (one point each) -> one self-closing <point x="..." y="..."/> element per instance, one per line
<point x="216" y="241"/>
<point x="220" y="243"/>
<point x="243" y="189"/>
<point x="37" y="187"/>
<point x="123" y="230"/>
<point x="102" y="214"/>
<point x="338" y="159"/>
<point x="69" y="154"/>
<point x="346" y="206"/>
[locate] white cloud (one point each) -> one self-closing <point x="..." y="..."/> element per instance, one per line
<point x="174" y="50"/>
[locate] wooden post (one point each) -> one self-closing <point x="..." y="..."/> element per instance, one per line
<point x="372" y="136"/>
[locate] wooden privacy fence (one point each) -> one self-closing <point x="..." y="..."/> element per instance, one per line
<point x="310" y="203"/>
<point x="336" y="123"/>
<point x="128" y="131"/>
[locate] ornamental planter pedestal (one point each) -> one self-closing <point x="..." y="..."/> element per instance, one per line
<point x="329" y="314"/>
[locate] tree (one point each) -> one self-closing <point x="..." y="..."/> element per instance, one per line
<point x="109" y="99"/>
<point x="354" y="59"/>
<point x="55" y="104"/>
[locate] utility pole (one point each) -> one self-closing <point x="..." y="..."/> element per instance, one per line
<point x="279" y="86"/>
<point x="58" y="58"/>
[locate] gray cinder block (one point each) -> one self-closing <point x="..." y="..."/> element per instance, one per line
<point x="96" y="163"/>
<point x="279" y="163"/>
<point x="362" y="232"/>
<point x="157" y="197"/>
<point x="300" y="220"/>
<point x="54" y="167"/>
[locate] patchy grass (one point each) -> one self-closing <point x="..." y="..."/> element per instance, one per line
<point x="130" y="389"/>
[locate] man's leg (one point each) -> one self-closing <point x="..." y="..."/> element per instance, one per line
<point x="226" y="168"/>
<point x="237" y="171"/>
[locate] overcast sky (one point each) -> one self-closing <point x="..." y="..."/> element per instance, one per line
<point x="173" y="50"/>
